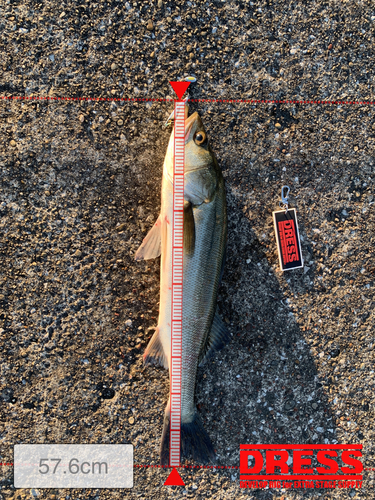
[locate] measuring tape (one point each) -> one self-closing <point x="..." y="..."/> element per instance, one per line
<point x="177" y="283"/>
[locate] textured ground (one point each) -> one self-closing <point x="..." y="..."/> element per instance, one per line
<point x="81" y="187"/>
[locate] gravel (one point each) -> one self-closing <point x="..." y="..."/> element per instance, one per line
<point x="81" y="188"/>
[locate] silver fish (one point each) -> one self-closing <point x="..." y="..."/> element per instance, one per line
<point x="205" y="236"/>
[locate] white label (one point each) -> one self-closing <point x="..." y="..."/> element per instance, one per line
<point x="73" y="466"/>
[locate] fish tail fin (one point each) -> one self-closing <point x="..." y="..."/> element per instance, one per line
<point x="195" y="442"/>
<point x="165" y="438"/>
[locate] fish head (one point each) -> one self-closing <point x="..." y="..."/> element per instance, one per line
<point x="198" y="154"/>
<point x="201" y="168"/>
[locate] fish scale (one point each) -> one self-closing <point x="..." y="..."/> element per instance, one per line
<point x="200" y="291"/>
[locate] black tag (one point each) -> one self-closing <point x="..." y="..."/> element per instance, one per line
<point x="287" y="237"/>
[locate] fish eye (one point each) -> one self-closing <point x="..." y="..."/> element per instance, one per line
<point x="200" y="138"/>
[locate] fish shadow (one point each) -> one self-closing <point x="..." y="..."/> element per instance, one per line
<point x="264" y="386"/>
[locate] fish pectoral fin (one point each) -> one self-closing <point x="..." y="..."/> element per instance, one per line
<point x="189" y="228"/>
<point x="154" y="353"/>
<point x="219" y="336"/>
<point x="151" y="245"/>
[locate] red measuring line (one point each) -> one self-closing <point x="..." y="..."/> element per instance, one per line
<point x="177" y="283"/>
<point x="156" y="466"/>
<point x="131" y="99"/>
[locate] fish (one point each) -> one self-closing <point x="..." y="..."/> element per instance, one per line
<point x="204" y="250"/>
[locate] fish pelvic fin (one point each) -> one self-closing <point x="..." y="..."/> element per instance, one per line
<point x="151" y="245"/>
<point x="218" y="337"/>
<point x="195" y="442"/>
<point x="189" y="228"/>
<point x="154" y="353"/>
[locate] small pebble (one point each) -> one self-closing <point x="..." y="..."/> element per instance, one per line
<point x="13" y="143"/>
<point x="150" y="25"/>
<point x="131" y="420"/>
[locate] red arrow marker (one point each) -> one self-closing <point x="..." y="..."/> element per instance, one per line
<point x="180" y="88"/>
<point x="174" y="479"/>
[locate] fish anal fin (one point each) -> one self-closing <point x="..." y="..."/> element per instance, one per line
<point x="189" y="228"/>
<point x="154" y="353"/>
<point x="218" y="337"/>
<point x="151" y="245"/>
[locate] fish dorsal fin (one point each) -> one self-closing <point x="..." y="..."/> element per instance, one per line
<point x="151" y="245"/>
<point x="189" y="228"/>
<point x="216" y="340"/>
<point x="154" y="353"/>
